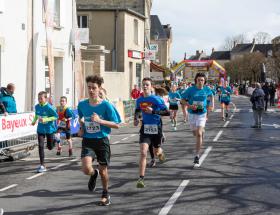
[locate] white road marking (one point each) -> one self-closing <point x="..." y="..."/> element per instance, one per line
<point x="60" y="165"/>
<point x="231" y="116"/>
<point x="35" y="176"/>
<point x="115" y="142"/>
<point x="74" y="160"/>
<point x="218" y="135"/>
<point x="133" y="135"/>
<point x="226" y="124"/>
<point x="202" y="158"/>
<point x="167" y="207"/>
<point x="124" y="139"/>
<point x="8" y="187"/>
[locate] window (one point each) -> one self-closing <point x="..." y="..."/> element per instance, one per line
<point x="136" y="36"/>
<point x="83" y="21"/>
<point x="54" y="10"/>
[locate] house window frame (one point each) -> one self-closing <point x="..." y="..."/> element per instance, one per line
<point x="56" y="14"/>
<point x="80" y="21"/>
<point x="136" y="31"/>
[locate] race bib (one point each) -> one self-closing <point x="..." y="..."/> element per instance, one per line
<point x="173" y="101"/>
<point x="62" y="124"/>
<point x="224" y="95"/>
<point x="198" y="103"/>
<point x="150" y="129"/>
<point x="92" y="127"/>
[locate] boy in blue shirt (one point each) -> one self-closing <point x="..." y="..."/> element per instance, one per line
<point x="152" y="108"/>
<point x="96" y="117"/>
<point x="195" y="98"/>
<point x="174" y="97"/>
<point x="46" y="116"/>
<point x="225" y="92"/>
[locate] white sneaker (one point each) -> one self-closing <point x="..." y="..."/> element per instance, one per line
<point x="175" y="128"/>
<point x="41" y="169"/>
<point x="1" y="211"/>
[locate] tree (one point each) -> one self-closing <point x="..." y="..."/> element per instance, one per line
<point x="230" y="42"/>
<point x="262" y="38"/>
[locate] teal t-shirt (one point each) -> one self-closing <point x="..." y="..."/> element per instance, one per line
<point x="225" y="94"/>
<point x="104" y="110"/>
<point x="46" y="111"/>
<point x="173" y="97"/>
<point x="197" y="97"/>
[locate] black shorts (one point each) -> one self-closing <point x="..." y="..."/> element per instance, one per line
<point x="97" y="149"/>
<point x="225" y="102"/>
<point x="152" y="139"/>
<point x="66" y="131"/>
<point x="173" y="107"/>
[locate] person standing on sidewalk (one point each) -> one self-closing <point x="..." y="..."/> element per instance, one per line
<point x="135" y="93"/>
<point x="46" y="116"/>
<point x="272" y="92"/>
<point x="7" y="98"/>
<point x="266" y="92"/>
<point x="258" y="106"/>
<point x="97" y="117"/>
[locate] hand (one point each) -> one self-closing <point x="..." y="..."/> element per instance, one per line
<point x="149" y="110"/>
<point x="81" y="132"/>
<point x="95" y="118"/>
<point x="183" y="102"/>
<point x="33" y="123"/>
<point x="193" y="107"/>
<point x="41" y="119"/>
<point x="6" y="114"/>
<point x="136" y="122"/>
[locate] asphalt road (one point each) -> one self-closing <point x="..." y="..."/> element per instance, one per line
<point x="240" y="174"/>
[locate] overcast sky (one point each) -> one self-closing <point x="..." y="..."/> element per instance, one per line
<point x="204" y="24"/>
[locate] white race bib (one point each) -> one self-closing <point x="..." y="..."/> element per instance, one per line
<point x="92" y="127"/>
<point x="62" y="124"/>
<point x="150" y="129"/>
<point x="198" y="103"/>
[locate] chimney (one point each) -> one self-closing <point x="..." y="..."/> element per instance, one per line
<point x="254" y="41"/>
<point x="197" y="53"/>
<point x="234" y="43"/>
<point x="213" y="49"/>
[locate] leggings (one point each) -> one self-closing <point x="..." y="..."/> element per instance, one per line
<point x="50" y="145"/>
<point x="151" y="150"/>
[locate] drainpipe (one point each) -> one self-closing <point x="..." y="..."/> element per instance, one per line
<point x="114" y="57"/>
<point x="32" y="55"/>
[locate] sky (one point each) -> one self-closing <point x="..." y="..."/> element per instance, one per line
<point x="205" y="24"/>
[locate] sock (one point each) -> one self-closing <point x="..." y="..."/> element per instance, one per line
<point x="142" y="177"/>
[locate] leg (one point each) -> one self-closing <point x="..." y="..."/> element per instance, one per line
<point x="255" y="113"/>
<point x="87" y="167"/>
<point x="151" y="151"/>
<point x="50" y="141"/>
<point x="174" y="118"/>
<point x="104" y="177"/>
<point x="143" y="158"/>
<point x="41" y="140"/>
<point x="199" y="139"/>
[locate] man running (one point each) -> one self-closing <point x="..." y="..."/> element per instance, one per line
<point x="174" y="98"/>
<point x="151" y="107"/>
<point x="65" y="115"/>
<point x="195" y="98"/>
<point x="183" y="88"/>
<point x="225" y="93"/>
<point x="97" y="117"/>
<point x="46" y="115"/>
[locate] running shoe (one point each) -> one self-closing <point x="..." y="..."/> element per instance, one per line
<point x="92" y="181"/>
<point x="1" y="211"/>
<point x="41" y="169"/>
<point x="107" y="201"/>
<point x="140" y="183"/>
<point x="152" y="163"/>
<point x="226" y="115"/>
<point x="175" y="128"/>
<point x="58" y="153"/>
<point x="162" y="157"/>
<point x="196" y="160"/>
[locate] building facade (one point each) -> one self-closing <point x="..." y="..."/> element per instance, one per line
<point x="120" y="27"/>
<point x="24" y="50"/>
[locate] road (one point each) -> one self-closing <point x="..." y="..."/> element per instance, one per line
<point x="240" y="174"/>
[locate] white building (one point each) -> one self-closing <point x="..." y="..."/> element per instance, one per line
<point x="23" y="57"/>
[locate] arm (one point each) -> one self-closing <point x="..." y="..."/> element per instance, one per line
<point x="34" y="119"/>
<point x="161" y="112"/>
<point x="137" y="114"/>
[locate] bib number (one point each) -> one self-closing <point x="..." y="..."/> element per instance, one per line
<point x="150" y="129"/>
<point x="92" y="127"/>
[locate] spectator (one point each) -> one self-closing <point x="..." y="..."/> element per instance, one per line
<point x="266" y="92"/>
<point x="135" y="93"/>
<point x="257" y="100"/>
<point x="272" y="92"/>
<point x="7" y="98"/>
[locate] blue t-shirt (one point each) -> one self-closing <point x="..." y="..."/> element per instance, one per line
<point x="225" y="94"/>
<point x="104" y="110"/>
<point x="197" y="97"/>
<point x="156" y="103"/>
<point x="173" y="96"/>
<point x="45" y="111"/>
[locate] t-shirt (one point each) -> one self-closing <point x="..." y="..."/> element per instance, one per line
<point x="197" y="97"/>
<point x="173" y="98"/>
<point x="156" y="103"/>
<point x="225" y="94"/>
<point x="46" y="111"/>
<point x="104" y="110"/>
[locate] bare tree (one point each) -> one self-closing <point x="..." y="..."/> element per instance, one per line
<point x="262" y="38"/>
<point x="230" y="42"/>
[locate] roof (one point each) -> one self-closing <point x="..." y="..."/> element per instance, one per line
<point x="246" y="47"/>
<point x="263" y="48"/>
<point x="220" y="55"/>
<point x="157" y="67"/>
<point x="157" y="28"/>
